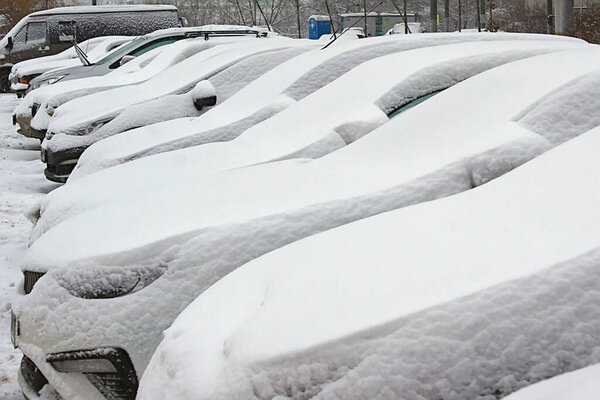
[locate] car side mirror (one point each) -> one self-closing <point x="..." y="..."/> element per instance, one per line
<point x="204" y="95"/>
<point x="126" y="59"/>
<point x="9" y="43"/>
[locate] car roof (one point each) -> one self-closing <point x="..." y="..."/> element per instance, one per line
<point x="102" y="9"/>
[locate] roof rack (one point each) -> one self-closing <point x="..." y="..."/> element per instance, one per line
<point x="242" y="32"/>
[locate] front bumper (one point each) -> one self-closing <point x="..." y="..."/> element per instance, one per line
<point x="24" y="123"/>
<point x="60" y="164"/>
<point x="115" y="379"/>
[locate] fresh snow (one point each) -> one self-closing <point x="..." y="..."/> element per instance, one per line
<point x="288" y="134"/>
<point x="138" y="70"/>
<point x="583" y="384"/>
<point x="471" y="296"/>
<point x="276" y="90"/>
<point x="21" y="184"/>
<point x="186" y="235"/>
<point x="226" y="83"/>
<point x="78" y="114"/>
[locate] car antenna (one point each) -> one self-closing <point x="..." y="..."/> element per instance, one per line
<point x="356" y="22"/>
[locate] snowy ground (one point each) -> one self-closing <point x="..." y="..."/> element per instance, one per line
<point x="21" y="183"/>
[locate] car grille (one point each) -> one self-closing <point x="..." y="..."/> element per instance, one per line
<point x="119" y="384"/>
<point x="111" y="386"/>
<point x="32" y="375"/>
<point x="30" y="280"/>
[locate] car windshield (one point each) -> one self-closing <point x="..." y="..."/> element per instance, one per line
<point x="122" y="50"/>
<point x="411" y="104"/>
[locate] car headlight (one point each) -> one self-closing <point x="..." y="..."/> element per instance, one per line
<point x="107" y="282"/>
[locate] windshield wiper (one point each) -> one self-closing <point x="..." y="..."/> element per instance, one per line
<point x="81" y="54"/>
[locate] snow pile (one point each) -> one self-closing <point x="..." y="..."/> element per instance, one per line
<point x="289" y="135"/>
<point x="169" y="107"/>
<point x="582" y="384"/>
<point x="471" y="296"/>
<point x="78" y="114"/>
<point x="261" y="99"/>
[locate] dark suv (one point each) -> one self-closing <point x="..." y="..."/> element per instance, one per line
<point x="51" y="31"/>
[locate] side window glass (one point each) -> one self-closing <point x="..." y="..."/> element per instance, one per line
<point x="21" y="36"/>
<point x="153" y="45"/>
<point x="67" y="31"/>
<point x="36" y="32"/>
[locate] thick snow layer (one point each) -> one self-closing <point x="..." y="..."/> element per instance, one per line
<point x="21" y="184"/>
<point x="583" y="384"/>
<point x="289" y="135"/>
<point x="266" y="96"/>
<point x="135" y="71"/>
<point x="422" y="168"/>
<point x="95" y="50"/>
<point x="226" y="83"/>
<point x="196" y="230"/>
<point x="468" y="297"/>
<point x="80" y="113"/>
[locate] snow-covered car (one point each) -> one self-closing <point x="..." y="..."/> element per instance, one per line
<point x="146" y="57"/>
<point x="290" y="134"/>
<point x="162" y="247"/>
<point x="95" y="49"/>
<point x="413" y="27"/>
<point x="61" y="152"/>
<point x="268" y="95"/>
<point x="468" y="297"/>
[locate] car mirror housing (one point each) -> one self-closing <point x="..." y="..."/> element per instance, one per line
<point x="9" y="43"/>
<point x="126" y="59"/>
<point x="204" y="95"/>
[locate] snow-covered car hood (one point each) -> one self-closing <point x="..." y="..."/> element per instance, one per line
<point x="81" y="113"/>
<point x="362" y="105"/>
<point x="294" y="80"/>
<point x="462" y="297"/>
<point x="77" y="218"/>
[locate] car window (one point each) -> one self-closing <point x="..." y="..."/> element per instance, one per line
<point x="123" y="50"/>
<point x="67" y="31"/>
<point x="21" y="36"/>
<point x="36" y="32"/>
<point x="411" y="104"/>
<point x="153" y="45"/>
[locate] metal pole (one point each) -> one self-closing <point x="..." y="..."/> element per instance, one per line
<point x="478" y="17"/>
<point x="330" y="20"/>
<point x="459" y="15"/>
<point x="298" y="16"/>
<point x="405" y="20"/>
<point x="447" y="14"/>
<point x="433" y="15"/>
<point x="365" y="11"/>
<point x="550" y="17"/>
